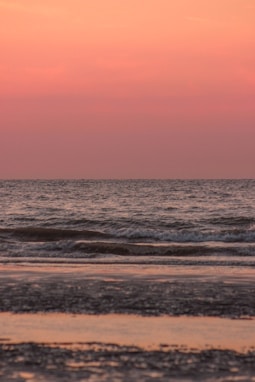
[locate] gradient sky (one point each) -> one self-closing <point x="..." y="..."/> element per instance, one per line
<point x="127" y="89"/>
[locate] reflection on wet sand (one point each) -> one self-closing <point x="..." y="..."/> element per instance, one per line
<point x="129" y="330"/>
<point x="136" y="322"/>
<point x="60" y="268"/>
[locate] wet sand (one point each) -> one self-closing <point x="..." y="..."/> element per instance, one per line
<point x="129" y="330"/>
<point x="193" y="324"/>
<point x="34" y="362"/>
<point x="143" y="290"/>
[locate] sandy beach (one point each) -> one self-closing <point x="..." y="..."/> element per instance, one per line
<point x="127" y="191"/>
<point x="115" y="322"/>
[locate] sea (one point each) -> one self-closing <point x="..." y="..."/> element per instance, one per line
<point x="156" y="222"/>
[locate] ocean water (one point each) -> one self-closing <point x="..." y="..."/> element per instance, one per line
<point x="171" y="222"/>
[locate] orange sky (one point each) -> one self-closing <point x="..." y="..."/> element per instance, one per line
<point x="127" y="89"/>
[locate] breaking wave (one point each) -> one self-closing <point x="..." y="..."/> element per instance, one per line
<point x="49" y="234"/>
<point x="46" y="242"/>
<point x="129" y="234"/>
<point x="230" y="236"/>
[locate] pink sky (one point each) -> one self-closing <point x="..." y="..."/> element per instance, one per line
<point x="127" y="89"/>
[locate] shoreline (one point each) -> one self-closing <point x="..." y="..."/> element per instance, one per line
<point x="140" y="290"/>
<point x="61" y="347"/>
<point x="102" y="322"/>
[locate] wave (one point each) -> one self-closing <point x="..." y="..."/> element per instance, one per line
<point x="87" y="249"/>
<point x="49" y="234"/>
<point x="50" y="242"/>
<point x="230" y="236"/>
<point x="129" y="249"/>
<point x="236" y="221"/>
<point x="135" y="249"/>
<point x="129" y="234"/>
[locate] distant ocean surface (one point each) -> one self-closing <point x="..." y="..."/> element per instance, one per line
<point x="183" y="222"/>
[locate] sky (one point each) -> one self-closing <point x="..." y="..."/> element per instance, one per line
<point x="127" y="89"/>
